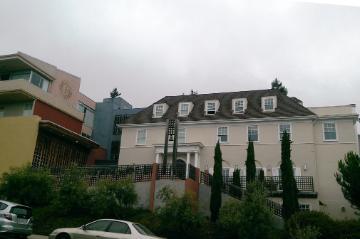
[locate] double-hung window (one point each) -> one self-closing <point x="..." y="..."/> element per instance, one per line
<point x="159" y="110"/>
<point x="141" y="137"/>
<point x="184" y="109"/>
<point x="181" y="135"/>
<point x="210" y="107"/>
<point x="284" y="127"/>
<point x="268" y="103"/>
<point x="223" y="134"/>
<point x="239" y="105"/>
<point x="253" y="133"/>
<point x="329" y="131"/>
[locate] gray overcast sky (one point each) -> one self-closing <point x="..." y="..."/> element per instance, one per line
<point x="152" y="48"/>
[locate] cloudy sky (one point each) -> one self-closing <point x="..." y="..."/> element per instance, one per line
<point x="152" y="48"/>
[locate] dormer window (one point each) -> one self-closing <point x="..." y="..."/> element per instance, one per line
<point x="269" y="103"/>
<point x="239" y="105"/>
<point x="159" y="110"/>
<point x="211" y="107"/>
<point x="184" y="108"/>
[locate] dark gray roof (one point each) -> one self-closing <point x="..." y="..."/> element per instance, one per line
<point x="286" y="107"/>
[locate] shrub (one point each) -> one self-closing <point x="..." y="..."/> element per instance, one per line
<point x="248" y="219"/>
<point x="326" y="226"/>
<point x="25" y="185"/>
<point x="179" y="217"/>
<point x="112" y="198"/>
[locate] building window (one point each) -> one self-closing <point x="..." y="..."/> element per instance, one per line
<point x="20" y="75"/>
<point x="239" y="106"/>
<point x="89" y="114"/>
<point x="284" y="127"/>
<point x="181" y="135"/>
<point x="119" y="119"/>
<point x="141" y="137"/>
<point x="115" y="150"/>
<point x="225" y="172"/>
<point x="184" y="109"/>
<point x="158" y="110"/>
<point x="268" y="103"/>
<point x="253" y="134"/>
<point x="27" y="109"/>
<point x="223" y="134"/>
<point x="210" y="107"/>
<point x="304" y="207"/>
<point x="31" y="76"/>
<point x="329" y="131"/>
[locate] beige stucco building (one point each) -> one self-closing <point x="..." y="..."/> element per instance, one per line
<point x="320" y="138"/>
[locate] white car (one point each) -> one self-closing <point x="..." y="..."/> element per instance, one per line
<point x="105" y="229"/>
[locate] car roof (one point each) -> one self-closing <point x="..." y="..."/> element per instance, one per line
<point x="13" y="204"/>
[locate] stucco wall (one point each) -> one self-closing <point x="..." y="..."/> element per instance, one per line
<point x="17" y="141"/>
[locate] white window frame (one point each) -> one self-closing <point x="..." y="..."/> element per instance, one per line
<point x="137" y="137"/>
<point x="304" y="204"/>
<point x="336" y="131"/>
<point x="263" y="99"/>
<point x="290" y="132"/>
<point x="155" y="115"/>
<point x="184" y="135"/>
<point x="258" y="132"/>
<point x="244" y="102"/>
<point x="215" y="102"/>
<point x="180" y="110"/>
<point x="227" y="134"/>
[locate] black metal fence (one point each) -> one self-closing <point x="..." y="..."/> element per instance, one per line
<point x="275" y="207"/>
<point x="171" y="172"/>
<point x="227" y="187"/>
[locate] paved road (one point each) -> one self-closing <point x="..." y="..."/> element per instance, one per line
<point x="37" y="237"/>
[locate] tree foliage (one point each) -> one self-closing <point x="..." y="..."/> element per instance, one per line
<point x="348" y="177"/>
<point x="277" y="85"/>
<point x="114" y="93"/>
<point x="32" y="187"/>
<point x="215" y="198"/>
<point x="249" y="219"/>
<point x="250" y="163"/>
<point x="289" y="195"/>
<point x="236" y="177"/>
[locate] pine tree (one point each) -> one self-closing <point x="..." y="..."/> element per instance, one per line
<point x="250" y="163"/>
<point x="277" y="85"/>
<point x="114" y="93"/>
<point x="215" y="198"/>
<point x="289" y="195"/>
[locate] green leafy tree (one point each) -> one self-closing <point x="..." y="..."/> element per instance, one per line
<point x="289" y="195"/>
<point x="179" y="217"/>
<point x="25" y="185"/>
<point x="114" y="93"/>
<point x="348" y="178"/>
<point x="215" y="198"/>
<point x="277" y="85"/>
<point x="250" y="163"/>
<point x="112" y="198"/>
<point x="250" y="219"/>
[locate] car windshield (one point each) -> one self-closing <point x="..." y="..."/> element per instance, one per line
<point x="143" y="230"/>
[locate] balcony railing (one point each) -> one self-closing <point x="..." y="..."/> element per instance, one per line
<point x="171" y="172"/>
<point x="273" y="183"/>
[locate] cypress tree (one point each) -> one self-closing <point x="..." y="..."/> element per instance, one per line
<point x="215" y="199"/>
<point x="236" y="177"/>
<point x="250" y="163"/>
<point x="289" y="195"/>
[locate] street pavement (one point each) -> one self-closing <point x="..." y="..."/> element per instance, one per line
<point x="37" y="237"/>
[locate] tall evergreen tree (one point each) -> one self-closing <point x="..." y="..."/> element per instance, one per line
<point x="114" y="93"/>
<point x="289" y="195"/>
<point x="277" y="85"/>
<point x="250" y="163"/>
<point x="215" y="198"/>
<point x="236" y="177"/>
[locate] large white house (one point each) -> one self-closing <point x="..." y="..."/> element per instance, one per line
<point x="321" y="136"/>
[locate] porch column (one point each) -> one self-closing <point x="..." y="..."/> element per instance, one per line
<point x="197" y="165"/>
<point x="187" y="164"/>
<point x="158" y="158"/>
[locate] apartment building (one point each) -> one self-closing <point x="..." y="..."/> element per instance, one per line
<point x="39" y="118"/>
<point x="320" y="138"/>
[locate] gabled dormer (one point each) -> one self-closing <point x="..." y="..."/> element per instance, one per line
<point x="184" y="108"/>
<point x="211" y="107"/>
<point x="268" y="103"/>
<point x="159" y="110"/>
